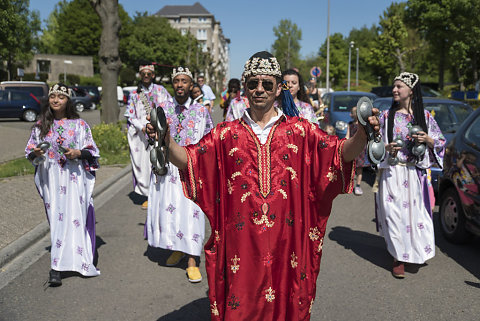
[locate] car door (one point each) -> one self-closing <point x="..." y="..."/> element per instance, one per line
<point x="10" y="108"/>
<point x="468" y="162"/>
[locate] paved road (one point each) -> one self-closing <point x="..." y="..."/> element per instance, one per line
<point x="354" y="282"/>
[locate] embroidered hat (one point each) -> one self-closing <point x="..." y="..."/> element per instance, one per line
<point x="408" y="78"/>
<point x="59" y="89"/>
<point x="261" y="63"/>
<point x="146" y="67"/>
<point x="181" y="71"/>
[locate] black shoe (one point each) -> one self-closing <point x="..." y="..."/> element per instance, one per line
<point x="55" y="279"/>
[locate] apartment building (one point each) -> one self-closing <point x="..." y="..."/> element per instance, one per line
<point x="196" y="20"/>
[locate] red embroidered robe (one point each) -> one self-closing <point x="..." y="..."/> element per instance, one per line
<point x="268" y="207"/>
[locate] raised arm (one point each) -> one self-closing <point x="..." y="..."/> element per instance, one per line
<point x="176" y="154"/>
<point x="355" y="145"/>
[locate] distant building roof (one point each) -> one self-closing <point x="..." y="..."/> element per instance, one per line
<point x="195" y="9"/>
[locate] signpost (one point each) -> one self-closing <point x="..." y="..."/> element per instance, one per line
<point x="315" y="72"/>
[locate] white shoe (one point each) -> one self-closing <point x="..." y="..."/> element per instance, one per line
<point x="357" y="190"/>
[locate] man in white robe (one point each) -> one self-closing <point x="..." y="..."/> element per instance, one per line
<point x="147" y="96"/>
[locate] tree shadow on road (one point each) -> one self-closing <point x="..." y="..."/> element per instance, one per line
<point x="467" y="255"/>
<point x="368" y="246"/>
<point x="198" y="310"/>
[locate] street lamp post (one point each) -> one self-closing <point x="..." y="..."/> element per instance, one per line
<point x="356" y="74"/>
<point x="288" y="50"/>
<point x="327" y="76"/>
<point x="349" y="60"/>
<point x="65" y="63"/>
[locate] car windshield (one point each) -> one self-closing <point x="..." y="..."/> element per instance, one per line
<point x="383" y="104"/>
<point x="448" y="116"/>
<point x="345" y="103"/>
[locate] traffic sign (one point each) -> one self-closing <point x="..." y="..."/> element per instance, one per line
<point x="315" y="71"/>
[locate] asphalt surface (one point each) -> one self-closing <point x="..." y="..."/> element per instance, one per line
<point x="355" y="282"/>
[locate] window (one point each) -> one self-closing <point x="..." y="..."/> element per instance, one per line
<point x="184" y="31"/>
<point x="202" y="19"/>
<point x="472" y="134"/>
<point x="201" y="34"/>
<point x="43" y="66"/>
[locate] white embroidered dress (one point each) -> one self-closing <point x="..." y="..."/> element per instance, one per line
<point x="403" y="201"/>
<point x="173" y="221"/>
<point x="137" y="140"/>
<point x="66" y="187"/>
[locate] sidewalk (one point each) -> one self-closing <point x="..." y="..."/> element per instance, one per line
<point x="23" y="219"/>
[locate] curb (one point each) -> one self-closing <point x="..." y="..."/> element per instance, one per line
<point x="12" y="250"/>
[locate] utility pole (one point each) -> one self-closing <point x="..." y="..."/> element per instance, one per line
<point x="356" y="74"/>
<point x="349" y="60"/>
<point x="328" y="48"/>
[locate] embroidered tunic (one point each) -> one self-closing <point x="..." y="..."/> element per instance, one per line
<point x="173" y="221"/>
<point x="403" y="202"/>
<point x="138" y="142"/>
<point x="268" y="205"/>
<point x="66" y="187"/>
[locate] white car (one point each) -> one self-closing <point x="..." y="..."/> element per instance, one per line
<point x="119" y="95"/>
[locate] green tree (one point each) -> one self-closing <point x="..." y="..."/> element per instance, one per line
<point x="18" y="29"/>
<point x="439" y="24"/>
<point x="47" y="40"/>
<point x="338" y="57"/>
<point x="287" y="45"/>
<point x="151" y="38"/>
<point x="365" y="39"/>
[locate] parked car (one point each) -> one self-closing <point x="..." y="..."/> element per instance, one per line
<point x="459" y="186"/>
<point x="19" y="104"/>
<point x="386" y="91"/>
<point x="38" y="88"/>
<point x="81" y="100"/>
<point x="338" y="106"/>
<point x="93" y="92"/>
<point x="449" y="115"/>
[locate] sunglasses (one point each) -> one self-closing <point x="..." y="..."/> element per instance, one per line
<point x="143" y="74"/>
<point x="266" y="84"/>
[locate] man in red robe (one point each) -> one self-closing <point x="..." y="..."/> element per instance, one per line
<point x="266" y="183"/>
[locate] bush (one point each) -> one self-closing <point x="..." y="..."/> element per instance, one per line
<point x="112" y="142"/>
<point x="42" y="76"/>
<point x="72" y="80"/>
<point x="127" y="77"/>
<point x="96" y="80"/>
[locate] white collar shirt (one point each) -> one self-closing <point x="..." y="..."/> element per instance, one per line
<point x="262" y="133"/>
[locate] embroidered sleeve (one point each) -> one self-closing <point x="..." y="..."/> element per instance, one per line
<point x="87" y="143"/>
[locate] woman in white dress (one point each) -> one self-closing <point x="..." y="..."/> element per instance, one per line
<point x="403" y="201"/>
<point x="65" y="156"/>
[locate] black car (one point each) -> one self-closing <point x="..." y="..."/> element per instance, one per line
<point x="459" y="186"/>
<point x="81" y="99"/>
<point x="386" y="91"/>
<point x="92" y="91"/>
<point x="19" y="104"/>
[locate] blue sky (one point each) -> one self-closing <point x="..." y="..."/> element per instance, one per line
<point x="249" y="24"/>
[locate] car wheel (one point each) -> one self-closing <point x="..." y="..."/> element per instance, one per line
<point x="452" y="218"/>
<point x="29" y="115"/>
<point x="79" y="107"/>
<point x="93" y="106"/>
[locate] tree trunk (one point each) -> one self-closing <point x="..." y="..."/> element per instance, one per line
<point x="399" y="56"/>
<point x="109" y="59"/>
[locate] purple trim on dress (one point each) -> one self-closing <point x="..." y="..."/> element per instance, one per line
<point x="422" y="176"/>
<point x="145" y="234"/>
<point x="91" y="226"/>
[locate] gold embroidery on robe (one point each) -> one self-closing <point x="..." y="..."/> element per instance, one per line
<point x="214" y="308"/>
<point x="235" y="267"/>
<point x="302" y="130"/>
<point x="284" y="194"/>
<point x="332" y="174"/>
<point x="293" y="147"/>
<point x="244" y="196"/>
<point x="292" y="171"/>
<point x="293" y="261"/>
<point x="270" y="294"/>
<point x="233" y="150"/>
<point x="222" y="133"/>
<point x="314" y="234"/>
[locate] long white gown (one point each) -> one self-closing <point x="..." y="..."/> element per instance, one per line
<point x="173" y="221"/>
<point x="66" y="187"/>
